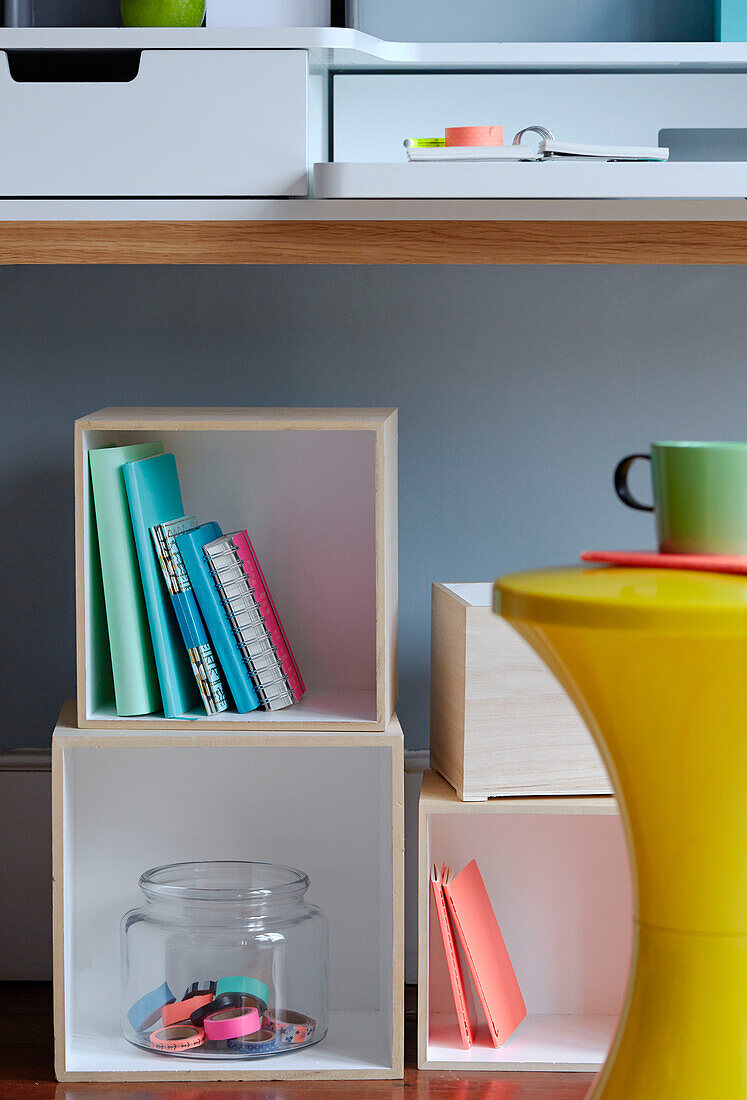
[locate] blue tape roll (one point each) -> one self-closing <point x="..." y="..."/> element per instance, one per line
<point x="147" y="1011"/>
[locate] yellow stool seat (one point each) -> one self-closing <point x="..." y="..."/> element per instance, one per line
<point x="656" y="662"/>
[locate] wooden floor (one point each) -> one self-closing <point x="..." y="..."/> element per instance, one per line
<point x="26" y="1069"/>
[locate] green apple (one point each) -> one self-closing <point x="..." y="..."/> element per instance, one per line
<point x="163" y="13"/>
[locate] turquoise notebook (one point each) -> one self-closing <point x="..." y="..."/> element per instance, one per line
<point x="213" y="612"/>
<point x="133" y="664"/>
<point x="153" y="491"/>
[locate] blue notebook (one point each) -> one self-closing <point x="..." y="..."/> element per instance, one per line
<point x="199" y="648"/>
<point x="239" y="681"/>
<point x="154" y="495"/>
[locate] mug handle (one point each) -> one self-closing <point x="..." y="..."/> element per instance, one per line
<point x="621" y="483"/>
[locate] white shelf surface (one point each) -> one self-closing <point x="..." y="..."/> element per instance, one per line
<point x="361" y="210"/>
<point x="355" y="1042"/>
<point x="541" y="1042"/>
<point x="553" y="179"/>
<point x="340" y="48"/>
<point x="317" y="707"/>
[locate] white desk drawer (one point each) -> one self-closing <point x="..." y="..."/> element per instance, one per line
<point x="191" y="122"/>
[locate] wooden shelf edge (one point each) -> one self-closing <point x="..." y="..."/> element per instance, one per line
<point x="373" y="242"/>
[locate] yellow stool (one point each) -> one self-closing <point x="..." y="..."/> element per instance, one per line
<point x="656" y="662"/>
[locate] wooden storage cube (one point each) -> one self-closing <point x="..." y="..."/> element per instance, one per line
<point x="317" y="491"/>
<point x="501" y="724"/>
<point x="178" y="122"/>
<point x="557" y="873"/>
<point x="335" y="804"/>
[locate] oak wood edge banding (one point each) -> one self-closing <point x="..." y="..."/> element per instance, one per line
<point x="374" y="242"/>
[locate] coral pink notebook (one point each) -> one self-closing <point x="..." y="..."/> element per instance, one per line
<point x="649" y="559"/>
<point x="453" y="962"/>
<point x="487" y="957"/>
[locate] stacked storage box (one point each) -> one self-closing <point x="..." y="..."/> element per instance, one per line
<point x="319" y="488"/>
<point x="522" y="789"/>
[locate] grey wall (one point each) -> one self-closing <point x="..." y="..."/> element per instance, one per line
<point x="518" y="390"/>
<point x="538" y="20"/>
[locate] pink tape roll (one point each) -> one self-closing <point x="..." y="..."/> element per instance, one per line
<point x="231" y="1023"/>
<point x="474" y="135"/>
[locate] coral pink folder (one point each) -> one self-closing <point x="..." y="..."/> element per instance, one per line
<point x="486" y="953"/>
<point x="649" y="559"/>
<point x="466" y="1027"/>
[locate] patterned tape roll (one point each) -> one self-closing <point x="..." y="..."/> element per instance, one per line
<point x="239" y="984"/>
<point x="227" y="1000"/>
<point x="147" y="1011"/>
<point x="198" y="989"/>
<point x="180" y="1011"/>
<point x="232" y="1023"/>
<point x="262" y="1042"/>
<point x="291" y="1027"/>
<point x="178" y="1037"/>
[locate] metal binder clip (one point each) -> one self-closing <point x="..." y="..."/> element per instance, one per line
<point x="541" y="131"/>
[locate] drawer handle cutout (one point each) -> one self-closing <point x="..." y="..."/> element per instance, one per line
<point x="73" y="66"/>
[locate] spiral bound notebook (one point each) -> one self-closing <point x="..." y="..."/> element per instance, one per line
<point x="256" y="624"/>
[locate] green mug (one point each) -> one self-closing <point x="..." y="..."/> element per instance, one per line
<point x="700" y="496"/>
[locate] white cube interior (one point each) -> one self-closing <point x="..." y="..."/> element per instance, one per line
<point x="331" y="812"/>
<point x="307" y="501"/>
<point x="560" y="888"/>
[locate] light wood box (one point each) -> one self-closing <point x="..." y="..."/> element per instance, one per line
<point x="336" y="805"/>
<point x="317" y="491"/>
<point x="558" y="877"/>
<point x="501" y="724"/>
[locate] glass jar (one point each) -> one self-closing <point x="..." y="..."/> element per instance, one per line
<point x="225" y="960"/>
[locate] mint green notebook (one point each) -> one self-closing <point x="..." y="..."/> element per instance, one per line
<point x="153" y="491"/>
<point x="133" y="663"/>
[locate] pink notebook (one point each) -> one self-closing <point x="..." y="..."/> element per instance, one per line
<point x="487" y="957"/>
<point x="649" y="559"/>
<point x="453" y="962"/>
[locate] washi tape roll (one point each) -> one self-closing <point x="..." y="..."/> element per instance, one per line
<point x="231" y="1023"/>
<point x="290" y="1027"/>
<point x="474" y="135"/>
<point x="262" y="1042"/>
<point x="239" y="984"/>
<point x="178" y="1037"/>
<point x="180" y="1011"/>
<point x="147" y="1011"/>
<point x="227" y="1000"/>
<point x="198" y="989"/>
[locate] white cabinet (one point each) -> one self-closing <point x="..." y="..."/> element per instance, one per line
<point x="189" y="123"/>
